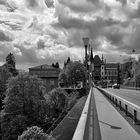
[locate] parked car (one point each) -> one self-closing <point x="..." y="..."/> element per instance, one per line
<point x="116" y="86"/>
<point x="109" y="85"/>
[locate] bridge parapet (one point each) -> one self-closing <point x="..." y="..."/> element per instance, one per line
<point x="123" y="104"/>
<point x="88" y="125"/>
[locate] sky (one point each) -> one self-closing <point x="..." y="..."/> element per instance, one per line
<point x="48" y="31"/>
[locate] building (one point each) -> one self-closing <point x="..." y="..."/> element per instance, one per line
<point x="111" y="72"/>
<point x="102" y="70"/>
<point x="49" y="74"/>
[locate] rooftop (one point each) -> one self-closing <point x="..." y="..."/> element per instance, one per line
<point x="111" y="65"/>
<point x="44" y="67"/>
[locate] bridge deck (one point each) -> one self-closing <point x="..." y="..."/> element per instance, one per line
<point x="112" y="125"/>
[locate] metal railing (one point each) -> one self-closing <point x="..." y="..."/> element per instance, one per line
<point x="124" y="105"/>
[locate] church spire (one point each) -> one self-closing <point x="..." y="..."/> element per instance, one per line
<point x="91" y="56"/>
<point x="102" y="59"/>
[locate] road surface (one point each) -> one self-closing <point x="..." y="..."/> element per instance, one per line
<point x="130" y="95"/>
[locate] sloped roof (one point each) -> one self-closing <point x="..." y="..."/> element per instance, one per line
<point x="44" y="67"/>
<point x="111" y="65"/>
<point x="97" y="60"/>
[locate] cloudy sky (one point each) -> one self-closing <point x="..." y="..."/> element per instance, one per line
<point x="46" y="31"/>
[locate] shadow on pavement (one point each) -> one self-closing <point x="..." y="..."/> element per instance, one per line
<point x="111" y="126"/>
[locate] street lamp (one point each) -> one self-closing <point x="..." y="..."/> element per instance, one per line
<point x="86" y="43"/>
<point x="89" y="72"/>
<point x="118" y="77"/>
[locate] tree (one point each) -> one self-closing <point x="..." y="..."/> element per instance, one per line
<point x="10" y="59"/>
<point x="2" y="91"/>
<point x="34" y="133"/>
<point x="68" y="60"/>
<point x="5" y="75"/>
<point x="63" y="79"/>
<point x="127" y="68"/>
<point x="57" y="65"/>
<point x="53" y="65"/>
<point x="75" y="72"/>
<point x="58" y="101"/>
<point x="137" y="71"/>
<point x="24" y="101"/>
<point x="11" y="64"/>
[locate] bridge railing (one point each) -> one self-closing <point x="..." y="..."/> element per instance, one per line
<point x="127" y="106"/>
<point x="88" y="125"/>
<point x="80" y="130"/>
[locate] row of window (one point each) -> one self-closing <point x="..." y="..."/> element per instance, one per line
<point x="110" y="78"/>
<point x="111" y="72"/>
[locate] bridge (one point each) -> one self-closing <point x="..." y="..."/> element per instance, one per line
<point x="109" y="114"/>
<point x="101" y="118"/>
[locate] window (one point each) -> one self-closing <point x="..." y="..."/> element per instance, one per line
<point x="52" y="82"/>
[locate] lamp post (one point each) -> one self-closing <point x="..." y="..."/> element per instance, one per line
<point x="86" y="43"/>
<point x="118" y="77"/>
<point x="89" y="73"/>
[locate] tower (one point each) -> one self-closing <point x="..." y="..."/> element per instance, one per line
<point x="102" y="68"/>
<point x="91" y="64"/>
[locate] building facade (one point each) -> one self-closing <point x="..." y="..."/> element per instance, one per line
<point x="102" y="70"/>
<point x="48" y="74"/>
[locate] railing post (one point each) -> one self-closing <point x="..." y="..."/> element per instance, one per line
<point x="135" y="117"/>
<point x="113" y="99"/>
<point x="126" y="113"/>
<point x="116" y="101"/>
<point x="120" y="104"/>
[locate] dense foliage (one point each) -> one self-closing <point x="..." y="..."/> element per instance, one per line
<point x="24" y="105"/>
<point x="58" y="101"/>
<point x="73" y="73"/>
<point x="11" y="64"/>
<point x="131" y="71"/>
<point x="34" y="133"/>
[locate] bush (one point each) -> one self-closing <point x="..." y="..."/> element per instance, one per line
<point x="34" y="133"/>
<point x="72" y="99"/>
<point x="58" y="101"/>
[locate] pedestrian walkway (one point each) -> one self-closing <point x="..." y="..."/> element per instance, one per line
<point x="112" y="125"/>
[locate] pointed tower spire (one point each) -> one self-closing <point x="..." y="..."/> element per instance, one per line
<point x="91" y="55"/>
<point x="102" y="59"/>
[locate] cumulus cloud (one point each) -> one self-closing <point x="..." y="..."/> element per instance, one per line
<point x="123" y="2"/>
<point x="113" y="27"/>
<point x="5" y="36"/>
<point x="32" y="3"/>
<point x="36" y="5"/>
<point x="40" y="44"/>
<point x="79" y="5"/>
<point x="49" y="3"/>
<point x="43" y="31"/>
<point x="9" y="5"/>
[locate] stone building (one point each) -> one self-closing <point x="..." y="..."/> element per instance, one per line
<point x="48" y="73"/>
<point x="102" y="70"/>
